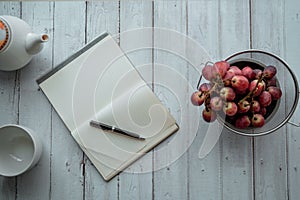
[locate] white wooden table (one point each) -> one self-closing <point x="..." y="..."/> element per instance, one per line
<point x="237" y="168"/>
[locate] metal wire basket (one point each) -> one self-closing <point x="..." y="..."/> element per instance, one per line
<point x="281" y="111"/>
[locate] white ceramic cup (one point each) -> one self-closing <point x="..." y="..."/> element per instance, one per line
<point x="20" y="150"/>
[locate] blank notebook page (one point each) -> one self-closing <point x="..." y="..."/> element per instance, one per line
<point x="101" y="84"/>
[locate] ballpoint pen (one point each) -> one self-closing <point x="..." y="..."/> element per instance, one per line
<point x="115" y="129"/>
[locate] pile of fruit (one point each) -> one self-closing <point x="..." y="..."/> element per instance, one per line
<point x="244" y="95"/>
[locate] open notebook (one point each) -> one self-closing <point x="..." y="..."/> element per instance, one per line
<point x="100" y="83"/>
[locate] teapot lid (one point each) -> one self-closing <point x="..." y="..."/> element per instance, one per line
<point x="4" y="35"/>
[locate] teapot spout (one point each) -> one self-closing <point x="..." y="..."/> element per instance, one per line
<point x="34" y="42"/>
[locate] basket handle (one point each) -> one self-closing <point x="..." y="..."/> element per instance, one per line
<point x="294" y="123"/>
<point x="207" y="63"/>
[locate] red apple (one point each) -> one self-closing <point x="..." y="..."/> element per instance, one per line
<point x="209" y="115"/>
<point x="240" y="92"/>
<point x="216" y="103"/>
<point x="258" y="120"/>
<point x="198" y="98"/>
<point x="269" y="72"/>
<point x="257" y="87"/>
<point x="215" y="72"/>
<point x="227" y="93"/>
<point x="258" y="73"/>
<point x="240" y="82"/>
<point x="255" y="106"/>
<point x="243" y="106"/>
<point x="271" y="82"/>
<point x="263" y="111"/>
<point x="236" y="70"/>
<point x="207" y="72"/>
<point x="222" y="67"/>
<point x="242" y="122"/>
<point x="230" y="108"/>
<point x="205" y="87"/>
<point x="275" y="92"/>
<point x="265" y="98"/>
<point x="248" y="72"/>
<point x="227" y="78"/>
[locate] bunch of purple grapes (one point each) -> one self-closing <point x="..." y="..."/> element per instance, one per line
<point x="242" y="94"/>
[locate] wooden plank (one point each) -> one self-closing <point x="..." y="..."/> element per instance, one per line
<point x="292" y="38"/>
<point x="215" y="176"/>
<point x="204" y="175"/>
<point x="236" y="152"/>
<point x="67" y="164"/>
<point x="136" y="181"/>
<point x="229" y="165"/>
<point x="270" y="151"/>
<point x="101" y="16"/>
<point x="35" y="111"/>
<point x="170" y="71"/>
<point x="9" y="98"/>
<point x="9" y="86"/>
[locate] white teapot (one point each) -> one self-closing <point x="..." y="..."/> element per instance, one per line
<point x="17" y="43"/>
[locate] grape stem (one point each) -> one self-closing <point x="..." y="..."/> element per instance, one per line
<point x="250" y="94"/>
<point x="213" y="89"/>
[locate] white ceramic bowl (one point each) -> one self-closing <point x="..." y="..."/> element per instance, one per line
<point x="20" y="150"/>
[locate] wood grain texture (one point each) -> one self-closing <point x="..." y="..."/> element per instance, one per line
<point x="101" y="16"/>
<point x="136" y="182"/>
<point x="270" y="151"/>
<point x="9" y="102"/>
<point x="67" y="163"/>
<point x="236" y="150"/>
<point x="33" y="105"/>
<point x="230" y="162"/>
<point x="204" y="175"/>
<point x="291" y="54"/>
<point x="238" y="167"/>
<point x="170" y="182"/>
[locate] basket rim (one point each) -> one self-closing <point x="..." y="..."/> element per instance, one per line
<point x="296" y="90"/>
